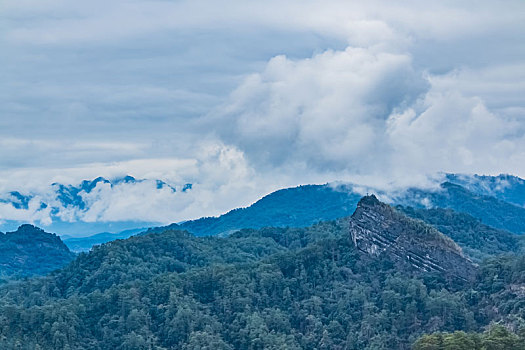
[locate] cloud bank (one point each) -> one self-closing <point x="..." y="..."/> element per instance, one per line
<point x="241" y="98"/>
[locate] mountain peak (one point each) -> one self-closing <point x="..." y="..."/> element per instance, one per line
<point x="369" y="200"/>
<point x="31" y="251"/>
<point x="378" y="230"/>
<point x="28" y="229"/>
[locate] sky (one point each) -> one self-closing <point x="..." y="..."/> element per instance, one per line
<point x="241" y="98"/>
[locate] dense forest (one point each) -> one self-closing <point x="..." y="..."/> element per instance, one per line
<point x="30" y="251"/>
<point x="497" y="337"/>
<point x="271" y="288"/>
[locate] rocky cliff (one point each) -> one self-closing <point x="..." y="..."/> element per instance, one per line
<point x="381" y="231"/>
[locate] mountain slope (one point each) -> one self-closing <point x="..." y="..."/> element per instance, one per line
<point x="377" y="229"/>
<point x="505" y="187"/>
<point x="477" y="240"/>
<point x="305" y="205"/>
<point x="296" y="207"/>
<point x="84" y="244"/>
<point x="489" y="210"/>
<point x="31" y="251"/>
<point x="274" y="288"/>
<point x="82" y="209"/>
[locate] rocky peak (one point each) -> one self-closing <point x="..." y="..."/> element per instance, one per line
<point x="378" y="229"/>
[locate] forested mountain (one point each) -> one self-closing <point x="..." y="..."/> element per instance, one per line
<point x="505" y="187"/>
<point x="31" y="251"/>
<point x="305" y="205"/>
<point x="84" y="244"/>
<point x="344" y="284"/>
<point x="478" y="240"/>
<point x="294" y="207"/>
<point x="489" y="210"/>
<point x="483" y="197"/>
<point x="497" y="337"/>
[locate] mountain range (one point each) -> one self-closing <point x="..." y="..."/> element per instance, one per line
<point x="377" y="279"/>
<point x="75" y="209"/>
<point x="494" y="200"/>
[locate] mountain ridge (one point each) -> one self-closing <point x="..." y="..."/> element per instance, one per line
<point x="377" y="229"/>
<point x="31" y="251"/>
<point x="293" y="288"/>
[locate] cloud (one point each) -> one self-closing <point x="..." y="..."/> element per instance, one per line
<point x="447" y="131"/>
<point x="242" y="97"/>
<point x="326" y="112"/>
<point x="366" y="113"/>
<point x="220" y="176"/>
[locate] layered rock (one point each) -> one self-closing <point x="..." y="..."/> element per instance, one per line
<point x="379" y="230"/>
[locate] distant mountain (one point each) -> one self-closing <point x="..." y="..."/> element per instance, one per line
<point x="490" y="210"/>
<point x="305" y="205"/>
<point x="73" y="209"/>
<point x="30" y="251"/>
<point x="83" y="244"/>
<point x="295" y="207"/>
<point x="477" y="240"/>
<point x="72" y="196"/>
<point x="375" y="280"/>
<point x="505" y="187"/>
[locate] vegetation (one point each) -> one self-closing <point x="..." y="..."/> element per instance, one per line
<point x="298" y="207"/>
<point x="496" y="338"/>
<point x="478" y="240"/>
<point x="490" y="210"/>
<point x="274" y="288"/>
<point x="31" y="251"/>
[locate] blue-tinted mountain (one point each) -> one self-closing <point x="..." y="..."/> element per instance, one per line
<point x="70" y="199"/>
<point x="477" y="240"/>
<point x="305" y="205"/>
<point x="83" y="244"/>
<point x="295" y="207"/>
<point x="506" y="187"/>
<point x="490" y="210"/>
<point x="30" y="251"/>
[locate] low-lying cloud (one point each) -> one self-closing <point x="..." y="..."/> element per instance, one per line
<point x="241" y="98"/>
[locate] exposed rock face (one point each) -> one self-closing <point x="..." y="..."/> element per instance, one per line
<point x="378" y="229"/>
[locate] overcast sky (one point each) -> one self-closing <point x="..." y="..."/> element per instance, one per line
<point x="244" y="97"/>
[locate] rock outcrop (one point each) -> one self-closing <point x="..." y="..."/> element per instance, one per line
<point x="381" y="231"/>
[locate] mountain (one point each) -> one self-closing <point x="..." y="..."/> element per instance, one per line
<point x="296" y="207"/>
<point x="84" y="244"/>
<point x="305" y="205"/>
<point x="378" y="229"/>
<point x="490" y="210"/>
<point x="30" y="251"/>
<point x="477" y="240"/>
<point x="505" y="187"/>
<point x="318" y="287"/>
<point x="78" y="209"/>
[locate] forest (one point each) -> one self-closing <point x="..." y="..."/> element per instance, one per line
<point x="271" y="288"/>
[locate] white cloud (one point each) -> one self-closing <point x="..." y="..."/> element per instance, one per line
<point x="367" y="114"/>
<point x="243" y="97"/>
<point x="327" y="112"/>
